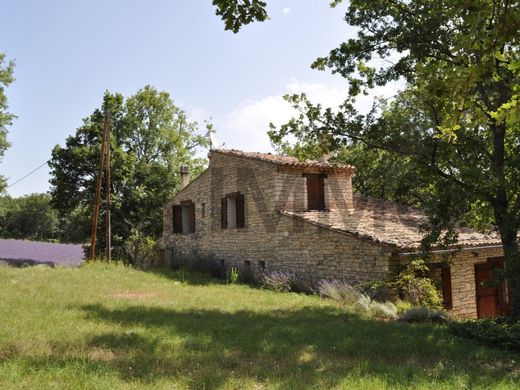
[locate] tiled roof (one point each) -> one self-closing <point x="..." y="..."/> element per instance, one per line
<point x="387" y="223"/>
<point x="284" y="160"/>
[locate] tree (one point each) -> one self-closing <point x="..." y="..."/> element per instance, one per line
<point x="458" y="118"/>
<point x="151" y="139"/>
<point x="28" y="217"/>
<point x="6" y="119"/>
<point x="237" y="13"/>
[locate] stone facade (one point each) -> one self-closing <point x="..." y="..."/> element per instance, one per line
<point x="269" y="238"/>
<point x="273" y="240"/>
<point x="463" y="287"/>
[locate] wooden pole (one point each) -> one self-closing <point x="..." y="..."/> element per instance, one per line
<point x="95" y="216"/>
<point x="108" y="227"/>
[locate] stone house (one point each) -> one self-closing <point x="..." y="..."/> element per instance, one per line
<point x="265" y="212"/>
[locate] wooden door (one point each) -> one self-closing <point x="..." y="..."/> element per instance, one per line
<point x="491" y="300"/>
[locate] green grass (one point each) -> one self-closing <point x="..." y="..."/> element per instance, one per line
<point x="107" y="327"/>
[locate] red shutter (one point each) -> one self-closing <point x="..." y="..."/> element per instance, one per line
<point x="446" y="286"/>
<point x="177" y="218"/>
<point x="191" y="213"/>
<point x="240" y="211"/>
<point x="223" y="210"/>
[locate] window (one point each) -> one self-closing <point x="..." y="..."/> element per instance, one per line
<point x="315" y="191"/>
<point x="203" y="210"/>
<point x="232" y="211"/>
<point x="261" y="265"/>
<point x="184" y="217"/>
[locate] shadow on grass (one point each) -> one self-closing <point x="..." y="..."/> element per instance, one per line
<point x="311" y="348"/>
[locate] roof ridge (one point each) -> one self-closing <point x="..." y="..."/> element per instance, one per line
<point x="283" y="159"/>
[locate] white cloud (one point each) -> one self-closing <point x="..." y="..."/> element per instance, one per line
<point x="286" y="10"/>
<point x="246" y="126"/>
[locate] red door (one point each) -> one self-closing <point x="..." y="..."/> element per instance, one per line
<point x="491" y="300"/>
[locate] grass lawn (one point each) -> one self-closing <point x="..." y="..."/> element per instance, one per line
<point x="106" y="326"/>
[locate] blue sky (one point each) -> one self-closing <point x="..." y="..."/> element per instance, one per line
<point x="68" y="53"/>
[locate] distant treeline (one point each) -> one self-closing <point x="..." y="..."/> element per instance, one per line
<point x="32" y="217"/>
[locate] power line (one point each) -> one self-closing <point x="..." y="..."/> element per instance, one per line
<point x="29" y="174"/>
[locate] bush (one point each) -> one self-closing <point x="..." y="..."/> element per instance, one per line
<point x="493" y="331"/>
<point x="233" y="275"/>
<point x="415" y="286"/>
<point x="141" y="250"/>
<point x="338" y="290"/>
<point x="423" y="314"/>
<point x="277" y="280"/>
<point x="363" y="302"/>
<point x="383" y="310"/>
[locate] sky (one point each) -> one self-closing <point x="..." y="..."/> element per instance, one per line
<point x="68" y="53"/>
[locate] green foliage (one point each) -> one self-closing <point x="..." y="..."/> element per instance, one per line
<point x="141" y="250"/>
<point x="456" y="122"/>
<point x="6" y="118"/>
<point x="415" y="286"/>
<point x="151" y="139"/>
<point x="497" y="332"/>
<point x="232" y="275"/>
<point x="237" y="13"/>
<point x="28" y="217"/>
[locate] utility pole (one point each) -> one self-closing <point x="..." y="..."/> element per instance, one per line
<point x="95" y="216"/>
<point x="108" y="228"/>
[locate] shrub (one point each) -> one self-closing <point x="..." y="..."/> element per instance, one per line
<point x="424" y="314"/>
<point x="338" y="290"/>
<point x="277" y="280"/>
<point x="402" y="306"/>
<point x="415" y="286"/>
<point x="141" y="249"/>
<point x="383" y="310"/>
<point x="378" y="290"/>
<point x="233" y="275"/>
<point x="493" y="331"/>
<point x="363" y="303"/>
<point x="301" y="283"/>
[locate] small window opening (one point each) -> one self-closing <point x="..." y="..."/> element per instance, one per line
<point x="203" y="210"/>
<point x="261" y="265"/>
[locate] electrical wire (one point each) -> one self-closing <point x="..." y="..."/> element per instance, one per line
<point x="28" y="174"/>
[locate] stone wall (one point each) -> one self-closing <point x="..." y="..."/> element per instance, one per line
<point x="279" y="241"/>
<point x="463" y="286"/>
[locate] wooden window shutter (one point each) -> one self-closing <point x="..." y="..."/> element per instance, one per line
<point x="223" y="209"/>
<point x="191" y="213"/>
<point x="240" y="211"/>
<point x="446" y="287"/>
<point x="177" y="218"/>
<point x="315" y="193"/>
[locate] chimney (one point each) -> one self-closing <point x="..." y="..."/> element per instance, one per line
<point x="185" y="176"/>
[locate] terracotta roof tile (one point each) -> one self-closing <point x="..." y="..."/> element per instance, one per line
<point x="284" y="160"/>
<point x="387" y="223"/>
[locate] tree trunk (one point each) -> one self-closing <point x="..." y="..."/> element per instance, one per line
<point x="505" y="221"/>
<point x="512" y="268"/>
